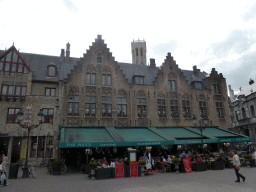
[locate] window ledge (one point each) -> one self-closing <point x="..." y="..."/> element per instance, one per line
<point x="90" y="85"/>
<point x="122" y="117"/>
<point x="142" y="117"/>
<point x="106" y="117"/>
<point x="73" y="116"/>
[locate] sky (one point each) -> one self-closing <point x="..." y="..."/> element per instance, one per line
<point x="209" y="34"/>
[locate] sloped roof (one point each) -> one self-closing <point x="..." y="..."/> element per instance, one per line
<point x="129" y="70"/>
<point x="38" y="64"/>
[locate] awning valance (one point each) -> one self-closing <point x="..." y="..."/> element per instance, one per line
<point x="143" y="136"/>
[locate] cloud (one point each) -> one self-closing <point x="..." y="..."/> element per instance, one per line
<point x="70" y="6"/>
<point x="162" y="49"/>
<point x="251" y="14"/>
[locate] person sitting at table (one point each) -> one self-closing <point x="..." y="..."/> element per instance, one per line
<point x="169" y="160"/>
<point x="104" y="161"/>
<point x="163" y="159"/>
<point x="199" y="159"/>
<point x="112" y="164"/>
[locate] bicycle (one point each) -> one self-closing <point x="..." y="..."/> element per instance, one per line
<point x="43" y="163"/>
<point x="31" y="171"/>
<point x="63" y="169"/>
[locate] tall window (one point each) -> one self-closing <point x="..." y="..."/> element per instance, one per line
<point x="219" y="108"/>
<point x="137" y="52"/>
<point x="12" y="63"/>
<point x="216" y="88"/>
<point x="161" y="107"/>
<point x="141" y="51"/>
<point x="50" y="91"/>
<point x="244" y="113"/>
<point x="174" y="108"/>
<point x="48" y="115"/>
<point x="99" y="58"/>
<point x="20" y="90"/>
<point x="141" y="106"/>
<point x="186" y="109"/>
<point x="202" y="108"/>
<point x="236" y="114"/>
<point x="121" y="107"/>
<point x="73" y="105"/>
<point x="198" y="85"/>
<point x="12" y="115"/>
<point x="172" y="85"/>
<point x="90" y="78"/>
<point x="106" y="80"/>
<point x="139" y="80"/>
<point x="252" y="110"/>
<point x="7" y="89"/>
<point x="90" y="106"/>
<point x="106" y="106"/>
<point x="51" y="71"/>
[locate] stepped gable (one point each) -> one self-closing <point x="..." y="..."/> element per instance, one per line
<point x="38" y="64"/>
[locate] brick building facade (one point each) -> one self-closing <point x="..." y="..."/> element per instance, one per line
<point x="95" y="90"/>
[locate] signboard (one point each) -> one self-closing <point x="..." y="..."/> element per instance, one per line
<point x="187" y="165"/>
<point x="119" y="170"/>
<point x="28" y="114"/>
<point x="134" y="169"/>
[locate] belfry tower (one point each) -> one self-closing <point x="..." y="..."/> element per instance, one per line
<point x="139" y="52"/>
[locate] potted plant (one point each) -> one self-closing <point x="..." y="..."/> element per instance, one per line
<point x="56" y="166"/>
<point x="142" y="164"/>
<point x="93" y="166"/>
<point x="176" y="162"/>
<point x="247" y="158"/>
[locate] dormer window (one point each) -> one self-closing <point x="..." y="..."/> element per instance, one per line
<point x="198" y="85"/>
<point x="99" y="58"/>
<point x="139" y="80"/>
<point x="51" y="71"/>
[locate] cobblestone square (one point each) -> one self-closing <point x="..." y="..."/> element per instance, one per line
<point x="210" y="180"/>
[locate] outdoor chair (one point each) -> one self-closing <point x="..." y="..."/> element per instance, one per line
<point x="165" y="167"/>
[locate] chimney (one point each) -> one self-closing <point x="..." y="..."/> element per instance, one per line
<point x="195" y="70"/>
<point x="152" y="64"/>
<point x="67" y="53"/>
<point x="62" y="54"/>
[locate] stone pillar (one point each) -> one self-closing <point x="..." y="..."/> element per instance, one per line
<point x="9" y="154"/>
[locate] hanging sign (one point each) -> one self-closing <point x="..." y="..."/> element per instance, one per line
<point x="28" y="114"/>
<point x="119" y="170"/>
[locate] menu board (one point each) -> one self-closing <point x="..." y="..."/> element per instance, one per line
<point x="187" y="166"/>
<point x="132" y="157"/>
<point x="119" y="170"/>
<point x="134" y="169"/>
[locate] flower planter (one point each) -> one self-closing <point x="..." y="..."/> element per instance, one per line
<point x="177" y="167"/>
<point x="217" y="165"/>
<point x="92" y="174"/>
<point x="200" y="166"/>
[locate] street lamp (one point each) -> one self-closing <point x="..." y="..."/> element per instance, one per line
<point x="201" y="128"/>
<point x="29" y="127"/>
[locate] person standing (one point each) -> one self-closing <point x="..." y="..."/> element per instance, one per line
<point x="5" y="165"/>
<point x="236" y="163"/>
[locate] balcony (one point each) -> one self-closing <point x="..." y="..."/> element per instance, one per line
<point x="12" y="98"/>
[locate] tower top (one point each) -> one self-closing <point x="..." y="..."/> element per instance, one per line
<point x="139" y="51"/>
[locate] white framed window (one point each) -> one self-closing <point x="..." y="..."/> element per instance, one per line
<point x="106" y="80"/>
<point x="172" y="85"/>
<point x="121" y="107"/>
<point x="90" y="78"/>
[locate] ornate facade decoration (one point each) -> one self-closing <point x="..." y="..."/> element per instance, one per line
<point x="106" y="69"/>
<point x="141" y="93"/>
<point x="122" y="122"/>
<point x="171" y="75"/>
<point x="185" y="96"/>
<point x="73" y="89"/>
<point x="90" y="90"/>
<point x="90" y="68"/>
<point x="106" y="91"/>
<point x="160" y="94"/>
<point x="122" y="92"/>
<point x="173" y="95"/>
<point x="201" y="97"/>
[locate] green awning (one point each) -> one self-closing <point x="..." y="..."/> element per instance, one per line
<point x="144" y="136"/>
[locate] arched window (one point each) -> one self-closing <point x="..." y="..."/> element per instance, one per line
<point x="137" y="52"/>
<point x="141" y="52"/>
<point x="99" y="58"/>
<point x="51" y="71"/>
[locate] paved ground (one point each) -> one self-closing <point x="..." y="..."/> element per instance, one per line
<point x="219" y="180"/>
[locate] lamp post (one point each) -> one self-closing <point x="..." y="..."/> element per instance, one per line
<point x="201" y="128"/>
<point x="29" y="127"/>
